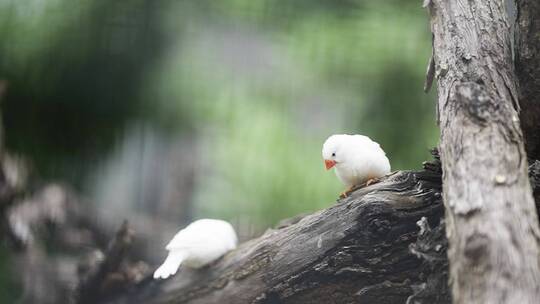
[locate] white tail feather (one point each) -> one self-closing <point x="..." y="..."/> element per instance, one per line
<point x="170" y="266"/>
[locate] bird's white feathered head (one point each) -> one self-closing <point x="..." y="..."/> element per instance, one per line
<point x="333" y="150"/>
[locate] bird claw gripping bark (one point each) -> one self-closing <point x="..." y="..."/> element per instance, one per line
<point x="369" y="182"/>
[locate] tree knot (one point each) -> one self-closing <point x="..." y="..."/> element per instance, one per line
<point x="379" y="226"/>
<point x="476" y="102"/>
<point x="476" y="249"/>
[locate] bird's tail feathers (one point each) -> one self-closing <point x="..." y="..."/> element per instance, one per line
<point x="170" y="265"/>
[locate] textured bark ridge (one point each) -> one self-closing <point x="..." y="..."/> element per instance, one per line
<point x="373" y="247"/>
<point x="527" y="45"/>
<point x="491" y="222"/>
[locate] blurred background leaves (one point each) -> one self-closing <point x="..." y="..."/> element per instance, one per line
<point x="163" y="111"/>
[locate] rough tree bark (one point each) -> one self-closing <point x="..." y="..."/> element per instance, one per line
<point x="527" y="57"/>
<point x="365" y="249"/>
<point x="491" y="221"/>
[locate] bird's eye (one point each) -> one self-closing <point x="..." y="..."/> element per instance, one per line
<point x="334" y="154"/>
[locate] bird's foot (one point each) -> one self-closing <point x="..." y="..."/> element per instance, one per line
<point x="347" y="192"/>
<point x="372" y="181"/>
<point x="369" y="182"/>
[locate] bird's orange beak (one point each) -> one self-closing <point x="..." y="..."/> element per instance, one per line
<point x="329" y="163"/>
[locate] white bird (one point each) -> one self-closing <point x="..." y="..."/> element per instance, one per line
<point x="197" y="245"/>
<point x="356" y="158"/>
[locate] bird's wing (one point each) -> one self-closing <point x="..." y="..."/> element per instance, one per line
<point x="201" y="233"/>
<point x="367" y="142"/>
<point x="187" y="238"/>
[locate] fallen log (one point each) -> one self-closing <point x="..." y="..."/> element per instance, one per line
<point x="367" y="248"/>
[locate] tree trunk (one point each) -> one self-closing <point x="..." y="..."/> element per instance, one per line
<point x="365" y="249"/>
<point x="527" y="52"/>
<point x="491" y="221"/>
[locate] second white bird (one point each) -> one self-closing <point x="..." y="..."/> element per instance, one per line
<point x="197" y="245"/>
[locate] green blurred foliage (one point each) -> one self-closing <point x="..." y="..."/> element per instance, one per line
<point x="261" y="84"/>
<point x="74" y="70"/>
<point x="285" y="84"/>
